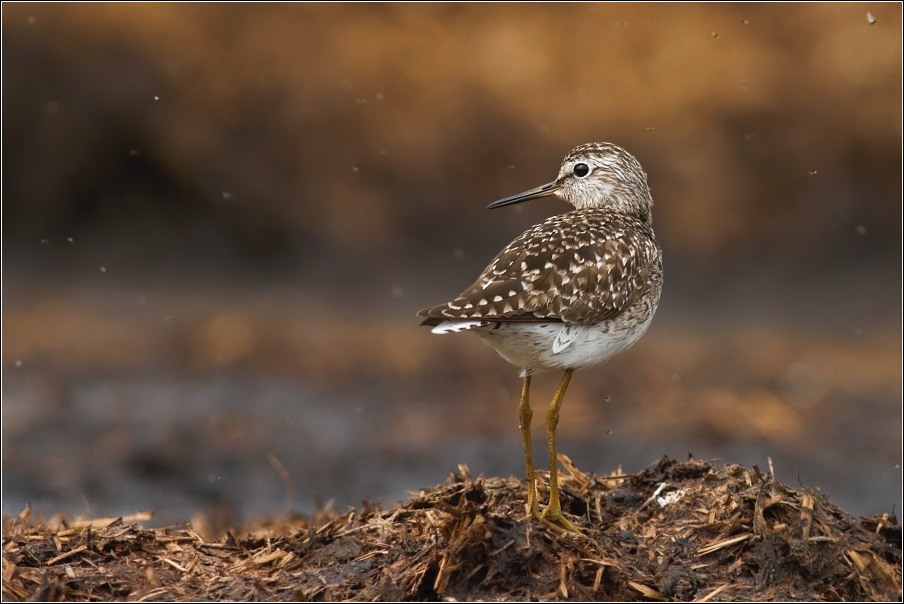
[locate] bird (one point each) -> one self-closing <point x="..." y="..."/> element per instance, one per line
<point x="570" y="292"/>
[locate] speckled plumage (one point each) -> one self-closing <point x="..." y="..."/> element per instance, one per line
<point x="570" y="292"/>
<point x="585" y="266"/>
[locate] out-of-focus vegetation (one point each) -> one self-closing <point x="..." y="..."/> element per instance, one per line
<point x="218" y="222"/>
<point x="765" y="129"/>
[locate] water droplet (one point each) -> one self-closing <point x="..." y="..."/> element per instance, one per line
<point x="53" y="107"/>
<point x="360" y="101"/>
<point x="458" y="253"/>
<point x="744" y="22"/>
<point x="70" y="240"/>
<point x="355" y="169"/>
<point x="813" y="173"/>
<point x="227" y="195"/>
<point x="45" y="241"/>
<point x="380" y="96"/>
<point x="861" y="230"/>
<point x="156" y="98"/>
<point x="103" y="269"/>
<point x="870" y="19"/>
<point x="133" y="152"/>
<point x="18" y="363"/>
<point x="397" y="292"/>
<point x="32" y="20"/>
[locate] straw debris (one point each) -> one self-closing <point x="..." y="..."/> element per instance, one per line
<point x="684" y="531"/>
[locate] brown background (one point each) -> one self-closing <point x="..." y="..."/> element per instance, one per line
<point x="219" y="221"/>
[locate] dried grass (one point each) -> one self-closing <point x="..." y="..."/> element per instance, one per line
<point x="677" y="531"/>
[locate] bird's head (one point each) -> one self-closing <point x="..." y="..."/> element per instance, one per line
<point x="596" y="175"/>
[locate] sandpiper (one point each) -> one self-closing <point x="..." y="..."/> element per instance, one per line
<point x="570" y="292"/>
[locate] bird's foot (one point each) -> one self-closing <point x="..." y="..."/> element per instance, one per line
<point x="556" y="520"/>
<point x="552" y="516"/>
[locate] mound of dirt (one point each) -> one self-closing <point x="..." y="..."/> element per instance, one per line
<point x="685" y="531"/>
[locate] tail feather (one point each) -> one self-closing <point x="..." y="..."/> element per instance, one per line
<point x="456" y="326"/>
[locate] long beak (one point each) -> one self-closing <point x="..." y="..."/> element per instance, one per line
<point x="544" y="191"/>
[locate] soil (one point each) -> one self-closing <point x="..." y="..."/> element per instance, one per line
<point x="685" y="531"/>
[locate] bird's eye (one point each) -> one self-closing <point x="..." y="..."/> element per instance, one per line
<point x="581" y="170"/>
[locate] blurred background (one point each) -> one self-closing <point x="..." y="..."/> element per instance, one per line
<point x="218" y="223"/>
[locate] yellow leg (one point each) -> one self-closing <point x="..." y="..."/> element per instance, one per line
<point x="552" y="515"/>
<point x="524" y="416"/>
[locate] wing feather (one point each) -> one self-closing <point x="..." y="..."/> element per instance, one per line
<point x="584" y="266"/>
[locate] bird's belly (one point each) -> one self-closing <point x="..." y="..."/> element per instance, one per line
<point x="550" y="346"/>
